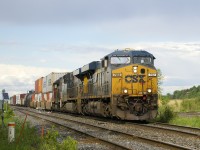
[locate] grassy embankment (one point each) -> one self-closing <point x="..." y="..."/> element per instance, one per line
<point x="30" y="139"/>
<point x="169" y="109"/>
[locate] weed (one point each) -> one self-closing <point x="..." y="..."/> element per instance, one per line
<point x="50" y="142"/>
<point x="30" y="139"/>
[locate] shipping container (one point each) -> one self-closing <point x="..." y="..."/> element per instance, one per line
<point x="22" y="101"/>
<point x="38" y="85"/>
<point x="39" y="98"/>
<point x="49" y="80"/>
<point x="45" y="96"/>
<point x="33" y="98"/>
<point x="19" y="98"/>
<point x="44" y="85"/>
<point x="13" y="100"/>
<point x="36" y="97"/>
<point x="49" y="96"/>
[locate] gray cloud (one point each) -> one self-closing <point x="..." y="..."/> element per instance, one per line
<point x="67" y="11"/>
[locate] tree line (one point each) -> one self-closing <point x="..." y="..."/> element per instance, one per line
<point x="193" y="92"/>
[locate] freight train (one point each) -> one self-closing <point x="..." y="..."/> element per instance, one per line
<point x="122" y="85"/>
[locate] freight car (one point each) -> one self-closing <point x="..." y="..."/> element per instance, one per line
<point x="122" y="85"/>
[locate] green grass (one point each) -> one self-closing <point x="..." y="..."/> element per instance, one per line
<point x="30" y="140"/>
<point x="166" y="112"/>
<point x="189" y="105"/>
<point x="186" y="121"/>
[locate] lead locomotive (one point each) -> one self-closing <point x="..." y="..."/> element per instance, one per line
<point x="122" y="85"/>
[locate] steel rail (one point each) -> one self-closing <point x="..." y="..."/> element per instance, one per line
<point x="131" y="136"/>
<point x="179" y="127"/>
<point x="103" y="141"/>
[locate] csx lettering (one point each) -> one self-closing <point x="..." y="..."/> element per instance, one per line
<point x="134" y="78"/>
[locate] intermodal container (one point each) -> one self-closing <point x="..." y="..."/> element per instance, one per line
<point x="49" y="80"/>
<point x="33" y="98"/>
<point x="14" y="100"/>
<point x="19" y="98"/>
<point x="38" y="85"/>
<point x="11" y="100"/>
<point x="44" y="85"/>
<point x="47" y="96"/>
<point x="39" y="98"/>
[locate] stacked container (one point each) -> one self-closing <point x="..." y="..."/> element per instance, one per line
<point x="47" y="88"/>
<point x="38" y="92"/>
<point x="13" y="100"/>
<point x="32" y="100"/>
<point x="20" y="99"/>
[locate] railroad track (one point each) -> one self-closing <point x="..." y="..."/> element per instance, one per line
<point x="100" y="140"/>
<point x="183" y="130"/>
<point x="189" y="114"/>
<point x="98" y="132"/>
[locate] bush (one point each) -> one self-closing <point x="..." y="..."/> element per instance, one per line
<point x="30" y="139"/>
<point x="50" y="142"/>
<point x="165" y="114"/>
<point x="68" y="144"/>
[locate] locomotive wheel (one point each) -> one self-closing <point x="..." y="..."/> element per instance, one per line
<point x="107" y="112"/>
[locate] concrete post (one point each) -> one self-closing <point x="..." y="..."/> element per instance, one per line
<point x="11" y="131"/>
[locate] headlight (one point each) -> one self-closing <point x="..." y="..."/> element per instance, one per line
<point x="135" y="69"/>
<point x="125" y="91"/>
<point x="149" y="90"/>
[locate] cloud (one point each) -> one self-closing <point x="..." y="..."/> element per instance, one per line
<point x="43" y="60"/>
<point x="9" y="43"/>
<point x="18" y="79"/>
<point x="67" y="11"/>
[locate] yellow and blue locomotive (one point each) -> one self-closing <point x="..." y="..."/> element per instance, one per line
<point x="122" y="85"/>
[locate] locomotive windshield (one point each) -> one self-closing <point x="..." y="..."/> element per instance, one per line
<point x="143" y="60"/>
<point x="120" y="60"/>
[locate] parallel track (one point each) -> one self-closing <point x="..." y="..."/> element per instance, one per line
<point x="123" y="134"/>
<point x="103" y="141"/>
<point x="196" y="130"/>
<point x="183" y="130"/>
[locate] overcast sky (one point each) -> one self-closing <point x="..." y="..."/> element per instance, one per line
<point x="41" y="36"/>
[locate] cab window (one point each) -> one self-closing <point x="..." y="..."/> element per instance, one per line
<point x="120" y="60"/>
<point x="143" y="60"/>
